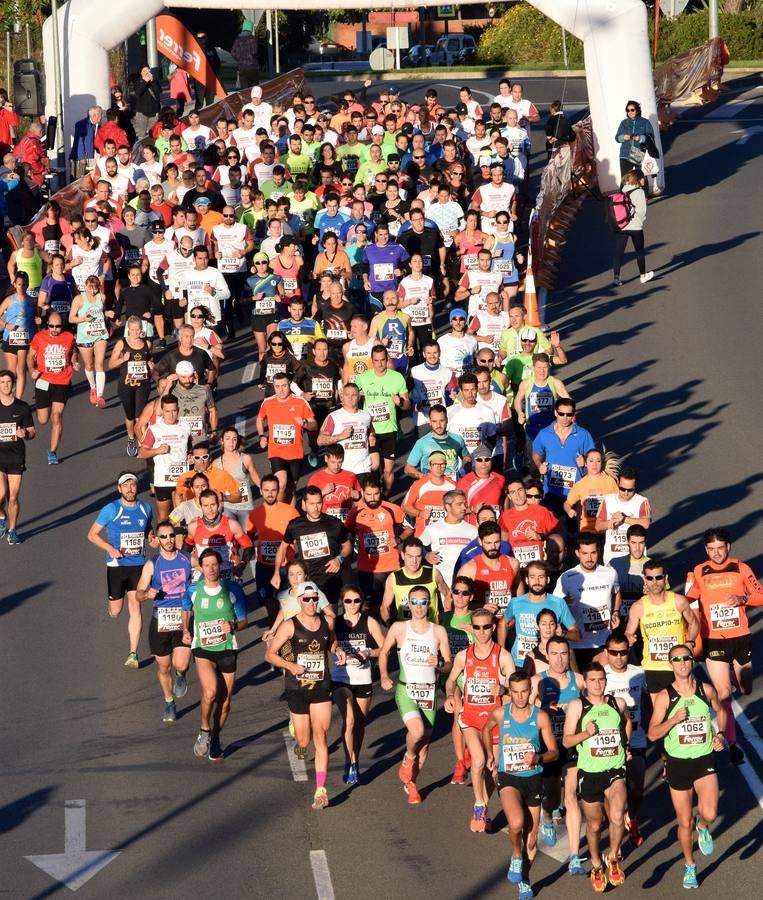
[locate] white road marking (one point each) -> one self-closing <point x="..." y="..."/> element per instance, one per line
<point x="241" y="425"/>
<point x="731" y="109"/>
<point x="248" y="373"/>
<point x="748" y="133"/>
<point x="746" y="770"/>
<point x="561" y="849"/>
<point x="324" y="889"/>
<point x="298" y="768"/>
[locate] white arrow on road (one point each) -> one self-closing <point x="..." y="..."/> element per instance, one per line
<point x="748" y="133"/>
<point x="76" y="865"/>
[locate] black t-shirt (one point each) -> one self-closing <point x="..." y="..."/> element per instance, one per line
<point x="216" y="199"/>
<point x="135" y="301"/>
<point x="198" y="358"/>
<point x="427" y="244"/>
<point x="336" y="322"/>
<point x="316" y="543"/>
<point x="315" y="379"/>
<point x="12" y="448"/>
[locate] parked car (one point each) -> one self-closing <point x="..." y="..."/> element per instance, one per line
<point x="451" y="49"/>
<point x="323" y="48"/>
<point x="418" y="56"/>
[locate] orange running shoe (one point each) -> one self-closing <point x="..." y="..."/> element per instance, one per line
<point x="614" y="871"/>
<point x="414" y="796"/>
<point x="407" y="770"/>
<point x="598" y="879"/>
<point x="459" y="773"/>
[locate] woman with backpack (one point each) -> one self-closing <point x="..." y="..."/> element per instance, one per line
<point x="630" y="214"/>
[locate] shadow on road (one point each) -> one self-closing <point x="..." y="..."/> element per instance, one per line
<point x="18" y="811"/>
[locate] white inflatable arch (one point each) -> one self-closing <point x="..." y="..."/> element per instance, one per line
<point x="614" y="35"/>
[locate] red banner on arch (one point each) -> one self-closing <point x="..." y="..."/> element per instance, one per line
<point x="176" y="42"/>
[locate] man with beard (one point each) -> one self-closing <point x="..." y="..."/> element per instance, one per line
<point x="339" y="487"/>
<point x="524" y="611"/>
<point x="495" y="576"/>
<point x="457" y="348"/>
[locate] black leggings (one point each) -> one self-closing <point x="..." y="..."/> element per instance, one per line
<point x="134" y="400"/>
<point x="621" y="241"/>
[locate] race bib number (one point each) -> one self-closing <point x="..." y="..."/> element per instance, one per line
<point x="243" y="489"/>
<point x="379" y="412"/>
<point x="525" y="555"/>
<point x="51" y="246"/>
<point x="503" y="266"/>
<point x="659" y="647"/>
<point x="436" y="514"/>
<point x="61" y="306"/>
<point x="95" y="328"/>
<point x="591" y="505"/>
<point x="480" y="692"/>
<point x="230" y="264"/>
<point x="18" y="337"/>
<point x="268" y="551"/>
<point x="435" y="395"/>
<point x="290" y="286"/>
<point x="724" y="616"/>
<point x="168" y="618"/>
<point x="395" y="348"/>
<point x="323" y="388"/>
<point x="471" y="261"/>
<point x="353" y="647"/>
<point x="137" y="369"/>
<point x="524" y="645"/>
<point x="426" y="258"/>
<point x="315" y="546"/>
<point x="54" y="362"/>
<point x="272" y="370"/>
<point x="422" y="694"/>
<point x="211" y="634"/>
<point x="383" y="271"/>
<point x="131" y="543"/>
<point x="501" y="600"/>
<point x="692" y="731"/>
<point x="394" y="228"/>
<point x="618" y="542"/>
<point x="314" y="665"/>
<point x="265" y="306"/>
<point x="562" y="476"/>
<point x="514" y="757"/>
<point x="457" y="640"/>
<point x="419" y="315"/>
<point x="284" y="434"/>
<point x="7" y="431"/>
<point x="595" y="618"/>
<point x="605" y="743"/>
<point x="195" y="423"/>
<point x="376" y="542"/>
<point x="471" y="437"/>
<point x="175" y="470"/>
<point x="336" y="334"/>
<point x="540" y="403"/>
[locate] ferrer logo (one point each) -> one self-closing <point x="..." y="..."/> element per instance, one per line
<point x="169" y="43"/>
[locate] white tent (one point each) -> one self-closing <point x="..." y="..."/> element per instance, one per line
<point x="614" y="35"/>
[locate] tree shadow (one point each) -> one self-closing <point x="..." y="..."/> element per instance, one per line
<point x="14" y="600"/>
<point x="18" y="811"/>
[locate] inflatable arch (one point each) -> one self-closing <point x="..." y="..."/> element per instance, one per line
<point x="614" y="35"/>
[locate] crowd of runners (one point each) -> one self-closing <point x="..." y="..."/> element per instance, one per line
<point x="490" y="562"/>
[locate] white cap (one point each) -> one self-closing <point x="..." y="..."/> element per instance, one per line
<point x="528" y="334"/>
<point x="256" y="91"/>
<point x="307" y="587"/>
<point x="128" y="476"/>
<point x="377" y="129"/>
<point x="184" y="368"/>
<point x="485" y="160"/>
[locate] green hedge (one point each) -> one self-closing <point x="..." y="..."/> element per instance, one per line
<point x="524" y="35"/>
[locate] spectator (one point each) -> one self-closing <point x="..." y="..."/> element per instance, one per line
<point x="244" y="51"/>
<point x="180" y="88"/>
<point x="82" y="154"/>
<point x="558" y="128"/>
<point x="633" y="185"/>
<point x="8" y="121"/>
<point x="147" y="101"/>
<point x="31" y="150"/>
<point x="111" y="130"/>
<point x="633" y="134"/>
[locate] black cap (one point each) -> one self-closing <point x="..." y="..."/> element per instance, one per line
<point x="461" y="109"/>
<point x="157" y="226"/>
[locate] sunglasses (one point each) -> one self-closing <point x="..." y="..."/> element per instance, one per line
<point x="502" y="221"/>
<point x="461" y="592"/>
<point x="564" y="415"/>
<point x="261" y="262"/>
<point x="419" y="158"/>
<point x="309" y="599"/>
<point x="276" y="344"/>
<point x="459" y="318"/>
<point x="482" y="459"/>
<point x="203" y="456"/>
<point x="482" y="627"/>
<point x="57" y="327"/>
<point x="533" y="496"/>
<point x="631" y="109"/>
<point x="532" y="341"/>
<point x="226" y="216"/>
<point x="618" y="652"/>
<point x="654" y="577"/>
<point x="352" y="600"/>
<point x="626" y="490"/>
<point x="421" y="602"/>
<point x="681" y="659"/>
<point x="164" y="537"/>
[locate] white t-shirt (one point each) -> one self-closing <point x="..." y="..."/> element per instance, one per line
<point x="448" y="541"/>
<point x="615" y="540"/>
<point x="592" y="597"/>
<point x="228" y="238"/>
<point x="356" y="453"/>
<point x="466" y="422"/>
<point x="457" y="353"/>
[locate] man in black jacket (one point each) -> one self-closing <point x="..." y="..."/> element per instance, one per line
<point x="147" y="101"/>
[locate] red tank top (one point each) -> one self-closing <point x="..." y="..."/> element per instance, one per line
<point x="292" y="286"/>
<point x="482" y="680"/>
<point x="493" y="585"/>
<point x="219" y="537"/>
<point x="470" y="249"/>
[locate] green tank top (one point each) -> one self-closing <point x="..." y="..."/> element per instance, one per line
<point x="403" y="582"/>
<point x="693" y="737"/>
<point x="458" y="639"/>
<point x="210" y="610"/>
<point x="605" y="750"/>
<point x="32" y="265"/>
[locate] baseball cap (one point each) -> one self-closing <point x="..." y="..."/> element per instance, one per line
<point x="201" y="201"/>
<point x="307" y="587"/>
<point x="184" y="368"/>
<point x="457" y="313"/>
<point x="260" y="257"/>
<point x="394" y="90"/>
<point x="127" y="476"/>
<point x="377" y="129"/>
<point x="324" y="114"/>
<point x="461" y="109"/>
<point x="256" y="91"/>
<point x="528" y="334"/>
<point x="156" y="227"/>
<point x="485" y="161"/>
<point x="481" y="451"/>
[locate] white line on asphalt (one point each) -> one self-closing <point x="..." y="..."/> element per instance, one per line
<point x="241" y="425"/>
<point x="298" y="768"/>
<point x="248" y="373"/>
<point x="321" y="875"/>
<point x="747" y="770"/>
<point x="734" y="107"/>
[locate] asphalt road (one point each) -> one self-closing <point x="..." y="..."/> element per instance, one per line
<point x="666" y="374"/>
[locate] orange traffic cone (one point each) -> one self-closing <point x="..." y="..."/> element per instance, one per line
<point x="531" y="298"/>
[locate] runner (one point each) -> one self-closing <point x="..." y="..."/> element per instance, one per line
<point x="89" y="314"/>
<point x="360" y="636"/>
<point x="681" y="719"/>
<point x="422" y="650"/>
<point x="213" y="529"/>
<point x="438" y="438"/>
<point x="132" y="356"/>
<point x="310" y="638"/>
<point x="618" y="511"/>
<point x="167" y="443"/>
<point x="121" y="531"/>
<point x="423" y="503"/>
<point x="529" y="527"/>
<point x="17" y="320"/>
<point x="495" y="577"/>
<point x="164" y="581"/>
<point x="482" y="486"/>
<point x="457" y="621"/>
<point x="555" y="689"/>
<point x="218" y="609"/>
<point x="16" y="427"/>
<point x="339" y="487"/>
<point x="525" y="744"/>
<point x="599" y="726"/>
<point x="629" y="568"/>
<point x="447" y="537"/>
<point x="53" y="360"/>
<point x="412" y="572"/>
<point x="240" y="466"/>
<point x="724" y="587"/>
<point x="481" y="672"/>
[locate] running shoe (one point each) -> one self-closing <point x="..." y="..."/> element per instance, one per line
<point x="52" y="458"/>
<point x="637" y="838"/>
<point x="598" y="879"/>
<point x="414" y="797"/>
<point x="132" y="661"/>
<point x="647" y="276"/>
<point x="351" y="776"/>
<point x="3" y="527"/>
<point x="547" y="833"/>
<point x="736" y="754"/>
<point x="170" y="715"/>
<point x="575" y="865"/>
<point x="300" y="752"/>
<point x="690" y="877"/>
<point x="312" y="459"/>
<point x="477" y="823"/>
<point x="13" y="538"/>
<point x="132" y="446"/>
<point x="459" y="773"/>
<point x="525" y="891"/>
<point x="704" y="839"/>
<point x="180" y="687"/>
<point x="201" y="747"/>
<point x="320" y="799"/>
<point x="558" y="814"/>
<point x="407" y="770"/>
<point x="515" y="870"/>
<point x="215" y="752"/>
<point x="100" y="403"/>
<point x="93" y="396"/>
<point x="616" y="282"/>
<point x="467" y="759"/>
<point x="614" y="870"/>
